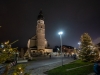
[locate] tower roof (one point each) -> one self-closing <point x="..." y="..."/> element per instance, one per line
<point x="40" y="16"/>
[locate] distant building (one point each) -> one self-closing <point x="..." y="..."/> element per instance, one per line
<point x="38" y="43"/>
<point x="68" y="49"/>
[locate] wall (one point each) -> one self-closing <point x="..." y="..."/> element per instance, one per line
<point x="48" y="50"/>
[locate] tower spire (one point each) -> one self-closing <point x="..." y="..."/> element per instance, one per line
<point x="40" y="16"/>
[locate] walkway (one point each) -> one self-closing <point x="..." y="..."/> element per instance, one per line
<point x="42" y="69"/>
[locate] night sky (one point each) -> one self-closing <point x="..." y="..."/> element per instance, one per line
<point x="18" y="19"/>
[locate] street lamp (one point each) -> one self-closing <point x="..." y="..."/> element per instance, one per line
<point x="60" y="33"/>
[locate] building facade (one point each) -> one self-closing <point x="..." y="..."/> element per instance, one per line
<point x="38" y="43"/>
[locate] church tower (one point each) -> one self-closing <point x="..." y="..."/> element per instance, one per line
<point x="38" y="43"/>
<point x="40" y="32"/>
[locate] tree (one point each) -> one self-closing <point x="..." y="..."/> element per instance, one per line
<point x="8" y="53"/>
<point x="88" y="51"/>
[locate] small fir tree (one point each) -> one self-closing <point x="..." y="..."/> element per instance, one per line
<point x="8" y="53"/>
<point x="88" y="52"/>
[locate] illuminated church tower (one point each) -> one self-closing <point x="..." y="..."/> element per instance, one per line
<point x="38" y="43"/>
<point x="40" y="31"/>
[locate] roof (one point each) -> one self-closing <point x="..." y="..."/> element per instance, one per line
<point x="40" y="16"/>
<point x="70" y="47"/>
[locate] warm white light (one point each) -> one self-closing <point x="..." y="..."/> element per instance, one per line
<point x="91" y="46"/>
<point x="72" y="53"/>
<point x="19" y="67"/>
<point x="5" y="42"/>
<point x="60" y="33"/>
<point x="4" y="50"/>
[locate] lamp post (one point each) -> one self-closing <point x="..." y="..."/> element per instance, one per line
<point x="16" y="56"/>
<point x="60" y="33"/>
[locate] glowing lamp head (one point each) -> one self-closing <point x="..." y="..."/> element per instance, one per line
<point x="79" y="43"/>
<point x="60" y="33"/>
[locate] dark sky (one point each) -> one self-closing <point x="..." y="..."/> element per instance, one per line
<point x="18" y="19"/>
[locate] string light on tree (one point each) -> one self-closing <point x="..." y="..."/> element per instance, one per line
<point x="87" y="52"/>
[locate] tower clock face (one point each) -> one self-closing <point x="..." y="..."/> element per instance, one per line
<point x="41" y="21"/>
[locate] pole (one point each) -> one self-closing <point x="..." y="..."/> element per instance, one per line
<point x="79" y="46"/>
<point x="16" y="58"/>
<point x="61" y="50"/>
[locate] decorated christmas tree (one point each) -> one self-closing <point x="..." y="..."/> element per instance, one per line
<point x="88" y="52"/>
<point x="7" y="53"/>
